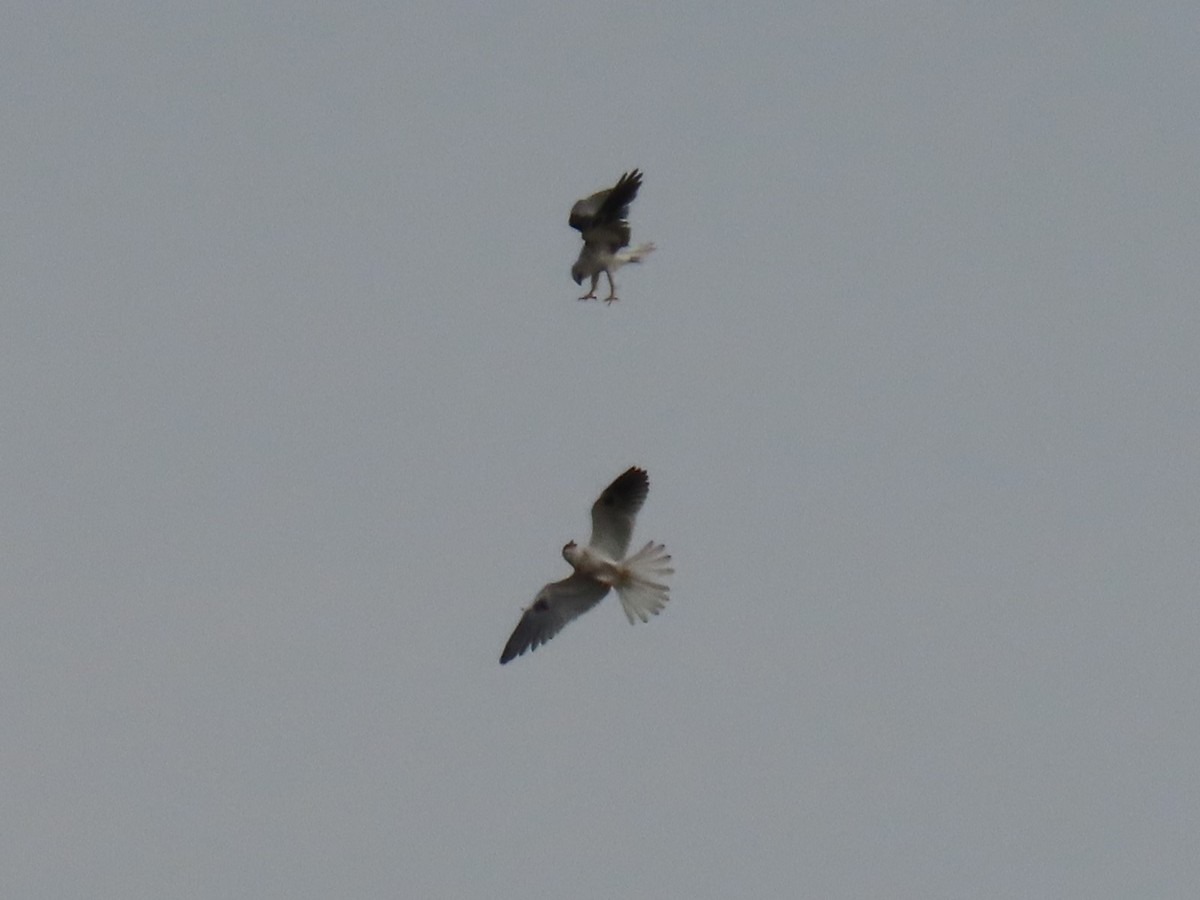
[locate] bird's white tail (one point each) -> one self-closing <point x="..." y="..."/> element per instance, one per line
<point x="642" y="591"/>
<point x="633" y="254"/>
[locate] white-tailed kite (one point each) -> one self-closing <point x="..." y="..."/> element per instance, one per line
<point x="600" y="565"/>
<point x="600" y="219"/>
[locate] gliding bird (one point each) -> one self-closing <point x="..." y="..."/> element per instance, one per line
<point x="601" y="565"/>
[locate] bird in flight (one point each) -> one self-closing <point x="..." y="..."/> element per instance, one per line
<point x="600" y="219"/>
<point x="602" y="564"/>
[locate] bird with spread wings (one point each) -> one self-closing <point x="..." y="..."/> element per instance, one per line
<point x="601" y="221"/>
<point x="601" y="565"/>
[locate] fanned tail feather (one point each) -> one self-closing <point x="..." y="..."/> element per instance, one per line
<point x="642" y="591"/>
<point x="633" y="254"/>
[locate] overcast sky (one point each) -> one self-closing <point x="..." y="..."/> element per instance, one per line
<point x="299" y="407"/>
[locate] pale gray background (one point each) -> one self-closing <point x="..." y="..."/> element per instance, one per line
<point x="299" y="407"/>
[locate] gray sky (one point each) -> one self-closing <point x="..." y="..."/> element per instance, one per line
<point x="299" y="408"/>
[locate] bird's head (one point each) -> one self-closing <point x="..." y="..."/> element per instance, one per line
<point x="569" y="551"/>
<point x="577" y="273"/>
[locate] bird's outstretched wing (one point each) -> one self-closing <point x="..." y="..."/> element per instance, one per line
<point x="600" y="218"/>
<point x="614" y="513"/>
<point x="555" y="605"/>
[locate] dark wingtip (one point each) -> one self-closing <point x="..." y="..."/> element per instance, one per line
<point x="631" y="485"/>
<point x="636" y="474"/>
<point x="510" y="653"/>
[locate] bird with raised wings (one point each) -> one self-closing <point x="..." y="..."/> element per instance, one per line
<point x="601" y="565"/>
<point x="601" y="221"/>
